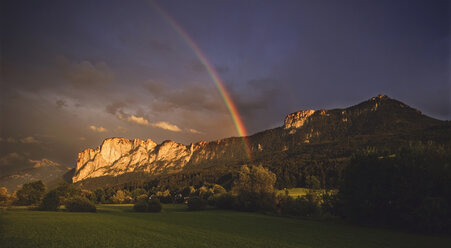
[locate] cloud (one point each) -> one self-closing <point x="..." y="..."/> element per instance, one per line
<point x="262" y="93"/>
<point x="29" y="140"/>
<point x="61" y="103"/>
<point x="197" y="66"/>
<point x="166" y="126"/>
<point x="11" y="140"/>
<point x="156" y="88"/>
<point x="25" y="140"/>
<point x="10" y="158"/>
<point x="188" y="97"/>
<point x="115" y="107"/>
<point x="138" y="120"/>
<point x="191" y="130"/>
<point x="98" y="129"/>
<point x="85" y="73"/>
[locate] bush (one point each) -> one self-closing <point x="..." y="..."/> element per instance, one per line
<point x="164" y="196"/>
<point x="142" y="197"/>
<point x="50" y="202"/>
<point x="301" y="206"/>
<point x="137" y="193"/>
<point x="247" y="201"/>
<point x="224" y="201"/>
<point x="211" y="200"/>
<point x="79" y="204"/>
<point x="330" y="204"/>
<point x="145" y="205"/>
<point x="65" y="191"/>
<point x="140" y="205"/>
<point x="218" y="189"/>
<point x="122" y="196"/>
<point x="100" y="195"/>
<point x="196" y="203"/>
<point x="154" y="206"/>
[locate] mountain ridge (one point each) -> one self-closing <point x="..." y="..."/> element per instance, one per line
<point x="377" y="117"/>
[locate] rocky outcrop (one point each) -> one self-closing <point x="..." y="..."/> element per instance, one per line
<point x="296" y="120"/>
<point x="333" y="129"/>
<point x="119" y="155"/>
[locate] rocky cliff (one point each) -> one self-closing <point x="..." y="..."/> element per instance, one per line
<point x="334" y="134"/>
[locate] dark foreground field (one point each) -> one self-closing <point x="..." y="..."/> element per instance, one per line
<point x="118" y="226"/>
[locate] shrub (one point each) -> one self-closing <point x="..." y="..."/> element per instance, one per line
<point x="50" y="202"/>
<point x="301" y="206"/>
<point x="142" y="197"/>
<point x="330" y="204"/>
<point x="65" y="191"/>
<point x="211" y="200"/>
<point x="145" y="205"/>
<point x="164" y="196"/>
<point x="122" y="196"/>
<point x="79" y="204"/>
<point x="137" y="193"/>
<point x="140" y="205"/>
<point x="218" y="189"/>
<point x="100" y="195"/>
<point x="196" y="203"/>
<point x="154" y="206"/>
<point x="224" y="201"/>
<point x="204" y="192"/>
<point x="247" y="201"/>
<point x="89" y="195"/>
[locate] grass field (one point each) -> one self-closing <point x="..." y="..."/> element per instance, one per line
<point x="118" y="226"/>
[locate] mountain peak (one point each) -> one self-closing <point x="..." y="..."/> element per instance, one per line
<point x="380" y="97"/>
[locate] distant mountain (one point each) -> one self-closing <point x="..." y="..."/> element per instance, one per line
<point x="46" y="170"/>
<point x="315" y="140"/>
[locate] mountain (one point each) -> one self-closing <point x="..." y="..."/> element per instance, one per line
<point x="46" y="170"/>
<point x="310" y="142"/>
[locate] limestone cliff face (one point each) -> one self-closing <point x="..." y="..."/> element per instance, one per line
<point x="296" y="120"/>
<point x="372" y="119"/>
<point x="119" y="155"/>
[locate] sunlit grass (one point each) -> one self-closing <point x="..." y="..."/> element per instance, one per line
<point x="299" y="192"/>
<point x="119" y="226"/>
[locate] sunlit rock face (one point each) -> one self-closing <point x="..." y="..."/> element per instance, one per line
<point x="119" y="155"/>
<point x="297" y="119"/>
<point x="115" y="156"/>
<point x="338" y="131"/>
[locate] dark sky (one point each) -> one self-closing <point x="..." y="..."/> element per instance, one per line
<point x="76" y="72"/>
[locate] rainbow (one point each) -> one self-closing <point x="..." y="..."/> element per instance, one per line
<point x="239" y="125"/>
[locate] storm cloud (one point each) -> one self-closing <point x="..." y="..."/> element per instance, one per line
<point x="74" y="74"/>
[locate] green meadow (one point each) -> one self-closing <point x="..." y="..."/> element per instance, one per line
<point x="119" y="226"/>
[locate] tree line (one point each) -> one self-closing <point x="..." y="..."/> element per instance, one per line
<point x="409" y="187"/>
